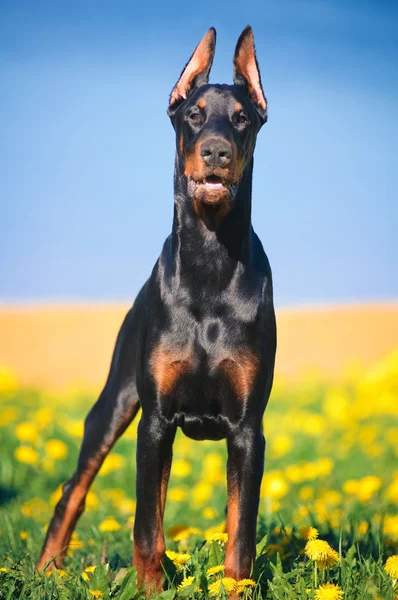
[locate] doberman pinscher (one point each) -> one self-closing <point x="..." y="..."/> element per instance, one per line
<point x="197" y="349"/>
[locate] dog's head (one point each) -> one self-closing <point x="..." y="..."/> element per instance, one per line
<point x="217" y="125"/>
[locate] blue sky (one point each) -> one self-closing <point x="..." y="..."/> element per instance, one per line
<point x="87" y="150"/>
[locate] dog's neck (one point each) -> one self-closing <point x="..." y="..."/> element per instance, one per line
<point x="211" y="242"/>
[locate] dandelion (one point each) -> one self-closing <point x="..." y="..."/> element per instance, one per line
<point x="176" y="495"/>
<point x="391" y="566"/>
<point x="221" y="538"/>
<point x="185" y="583"/>
<point x="201" y="494"/>
<point x="26" y="432"/>
<point x="59" y="572"/>
<point x="322" y="554"/>
<point x="317" y="550"/>
<point x="26" y="455"/>
<point x="23" y="535"/>
<point x="56" y="449"/>
<point x="330" y="591"/>
<point x="242" y="584"/>
<point x="274" y="486"/>
<point x="178" y="559"/>
<point x="390" y="526"/>
<point x="209" y="513"/>
<point x="92" y="501"/>
<point x="181" y="468"/>
<point x="35" y="508"/>
<point x="332" y="559"/>
<point x="3" y="570"/>
<point x="226" y="583"/>
<point x="87" y="570"/>
<point x="214" y="570"/>
<point x="113" y="462"/>
<point x="96" y="593"/>
<point x="109" y="524"/>
<point x="308" y="533"/>
<point x="181" y="532"/>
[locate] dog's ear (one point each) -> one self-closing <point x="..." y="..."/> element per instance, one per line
<point x="247" y="73"/>
<point x="196" y="72"/>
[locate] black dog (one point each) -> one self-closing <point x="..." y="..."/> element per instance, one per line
<point x="197" y="349"/>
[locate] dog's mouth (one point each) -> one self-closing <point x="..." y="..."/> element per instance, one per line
<point x="211" y="189"/>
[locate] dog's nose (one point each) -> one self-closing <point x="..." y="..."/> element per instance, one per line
<point x="216" y="152"/>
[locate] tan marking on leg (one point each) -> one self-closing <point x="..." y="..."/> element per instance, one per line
<point x="231" y="559"/>
<point x="241" y="370"/>
<point x="167" y="367"/>
<point x="56" y="544"/>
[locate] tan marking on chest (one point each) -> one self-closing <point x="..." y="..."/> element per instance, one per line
<point x="167" y="367"/>
<point x="241" y="371"/>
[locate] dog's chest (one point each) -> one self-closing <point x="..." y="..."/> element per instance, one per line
<point x="204" y="373"/>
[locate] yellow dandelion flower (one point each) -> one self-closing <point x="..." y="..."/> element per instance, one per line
<point x="332" y="559"/>
<point x="201" y="494"/>
<point x="176" y="495"/>
<point x="330" y="591"/>
<point x="56" y="449"/>
<point x="23" y="535"/>
<point x="390" y="526"/>
<point x="91" y="501"/>
<point x="75" y="428"/>
<point x="26" y="455"/>
<point x="318" y="550"/>
<point x="60" y="572"/>
<point x="368" y="487"/>
<point x="35" y="508"/>
<point x="221" y="538"/>
<point x="391" y="566"/>
<point x="109" y="524"/>
<point x="113" y="462"/>
<point x="87" y="570"/>
<point x="96" y="593"/>
<point x="43" y="417"/>
<point x="181" y="468"/>
<point x="214" y="570"/>
<point x="226" y="583"/>
<point x="183" y="532"/>
<point x="178" y="559"/>
<point x="308" y="533"/>
<point x="209" y="513"/>
<point x="242" y="584"/>
<point x="274" y="485"/>
<point x="185" y="583"/>
<point x="26" y="432"/>
<point x="3" y="570"/>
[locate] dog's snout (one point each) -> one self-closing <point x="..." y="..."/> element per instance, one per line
<point x="216" y="152"/>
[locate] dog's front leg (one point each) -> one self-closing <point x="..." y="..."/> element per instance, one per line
<point x="244" y="473"/>
<point x="154" y="455"/>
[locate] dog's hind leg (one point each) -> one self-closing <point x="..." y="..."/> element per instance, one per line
<point x="110" y="416"/>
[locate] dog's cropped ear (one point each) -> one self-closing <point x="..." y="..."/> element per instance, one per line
<point x="247" y="73"/>
<point x="196" y="72"/>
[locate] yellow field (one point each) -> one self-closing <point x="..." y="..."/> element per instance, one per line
<point x="58" y="345"/>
